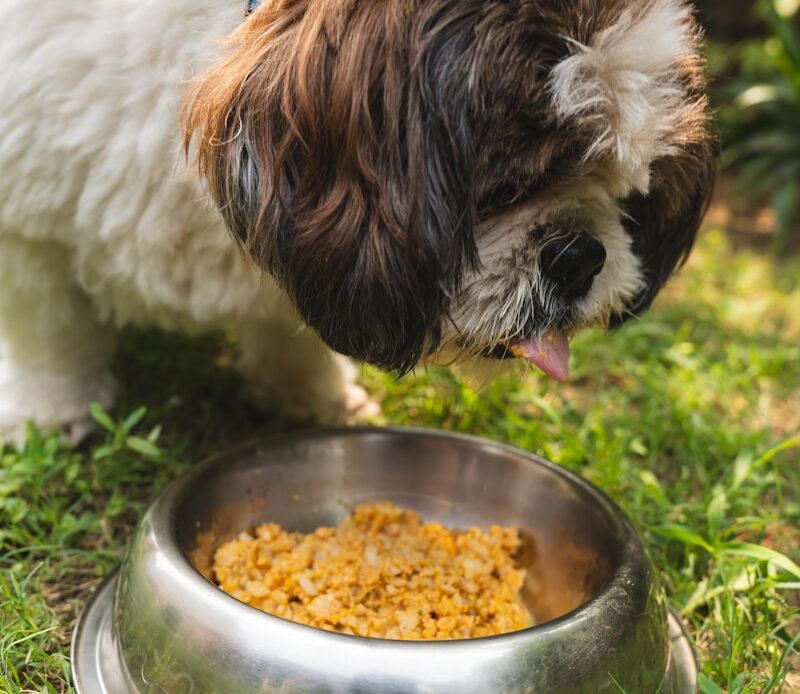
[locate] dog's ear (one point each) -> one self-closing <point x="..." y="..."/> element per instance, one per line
<point x="342" y="174"/>
<point x="663" y="223"/>
<point x="233" y="116"/>
<point x="661" y="141"/>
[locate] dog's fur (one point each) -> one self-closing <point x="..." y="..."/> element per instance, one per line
<point x="392" y="171"/>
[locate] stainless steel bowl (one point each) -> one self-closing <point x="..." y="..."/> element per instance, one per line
<point x="163" y="626"/>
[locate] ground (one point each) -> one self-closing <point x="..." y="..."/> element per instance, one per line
<point x="688" y="418"/>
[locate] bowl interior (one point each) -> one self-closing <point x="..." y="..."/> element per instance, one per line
<point x="572" y="537"/>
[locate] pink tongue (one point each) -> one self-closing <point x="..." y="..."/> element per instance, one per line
<point x="549" y="353"/>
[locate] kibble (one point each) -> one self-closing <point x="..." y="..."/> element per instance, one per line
<point x="382" y="573"/>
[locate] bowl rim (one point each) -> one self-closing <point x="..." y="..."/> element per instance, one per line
<point x="632" y="553"/>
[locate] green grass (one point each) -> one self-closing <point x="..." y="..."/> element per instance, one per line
<point x="677" y="417"/>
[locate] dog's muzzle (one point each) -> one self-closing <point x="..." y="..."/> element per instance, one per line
<point x="571" y="263"/>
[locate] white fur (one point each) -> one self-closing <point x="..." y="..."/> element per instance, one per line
<point x="101" y="225"/>
<point x="624" y="85"/>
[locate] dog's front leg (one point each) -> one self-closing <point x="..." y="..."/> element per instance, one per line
<point x="54" y="355"/>
<point x="288" y="367"/>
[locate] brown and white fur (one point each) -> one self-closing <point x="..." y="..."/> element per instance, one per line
<point x="390" y="174"/>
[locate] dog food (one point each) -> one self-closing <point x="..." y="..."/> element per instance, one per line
<point x="381" y="573"/>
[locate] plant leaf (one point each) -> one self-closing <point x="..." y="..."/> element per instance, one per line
<point x="143" y="446"/>
<point x="134" y="418"/>
<point x="99" y="416"/>
<point x="760" y="553"/>
<point x="708" y="686"/>
<point x="673" y="531"/>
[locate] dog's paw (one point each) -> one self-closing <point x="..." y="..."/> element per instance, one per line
<point x="51" y="401"/>
<point x="358" y="404"/>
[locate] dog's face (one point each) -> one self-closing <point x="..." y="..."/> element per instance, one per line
<point x="438" y="178"/>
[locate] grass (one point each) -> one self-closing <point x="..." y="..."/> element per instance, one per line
<point x="687" y="418"/>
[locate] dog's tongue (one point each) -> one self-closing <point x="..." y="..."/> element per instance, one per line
<point x="550" y="353"/>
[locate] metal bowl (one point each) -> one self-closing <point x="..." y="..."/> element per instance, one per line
<point x="163" y="626"/>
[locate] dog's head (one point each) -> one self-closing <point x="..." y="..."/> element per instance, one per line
<point x="445" y="177"/>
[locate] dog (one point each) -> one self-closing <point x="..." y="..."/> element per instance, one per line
<point x="400" y="182"/>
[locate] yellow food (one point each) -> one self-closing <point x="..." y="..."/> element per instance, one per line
<point x="382" y="573"/>
<point x="520" y="352"/>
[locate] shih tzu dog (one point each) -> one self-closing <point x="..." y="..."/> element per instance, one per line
<point x="402" y="182"/>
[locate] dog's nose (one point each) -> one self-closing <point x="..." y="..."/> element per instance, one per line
<point x="573" y="263"/>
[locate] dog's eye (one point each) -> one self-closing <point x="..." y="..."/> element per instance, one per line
<point x="251" y="7"/>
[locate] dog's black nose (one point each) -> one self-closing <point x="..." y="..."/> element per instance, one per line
<point x="573" y="263"/>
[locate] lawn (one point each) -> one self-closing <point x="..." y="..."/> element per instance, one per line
<point x="687" y="418"/>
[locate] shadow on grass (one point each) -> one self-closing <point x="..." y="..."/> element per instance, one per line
<point x="190" y="388"/>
